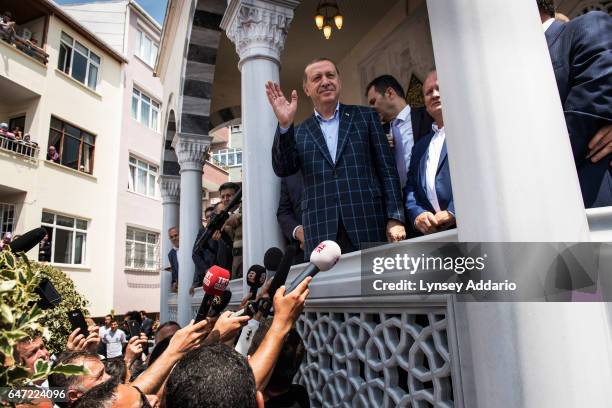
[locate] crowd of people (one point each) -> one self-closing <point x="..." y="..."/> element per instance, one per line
<point x="191" y="366"/>
<point x="20" y="37"/>
<point x="16" y="141"/>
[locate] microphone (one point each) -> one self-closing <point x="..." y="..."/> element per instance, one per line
<point x="283" y="270"/>
<point x="323" y="258"/>
<point x="28" y="240"/>
<point x="256" y="277"/>
<point x="272" y="258"/>
<point x="215" y="282"/>
<point x="219" y="303"/>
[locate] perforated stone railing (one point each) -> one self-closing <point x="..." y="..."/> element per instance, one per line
<point x="370" y="357"/>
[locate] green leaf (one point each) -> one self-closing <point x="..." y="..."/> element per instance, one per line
<point x="69" y="369"/>
<point x="6" y="286"/>
<point x="41" y="366"/>
<point x="7" y="314"/>
<point x="14" y="335"/>
<point x="17" y="373"/>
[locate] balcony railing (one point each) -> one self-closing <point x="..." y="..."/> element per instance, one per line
<point x="30" y="49"/>
<point x="381" y="351"/>
<point x="24" y="150"/>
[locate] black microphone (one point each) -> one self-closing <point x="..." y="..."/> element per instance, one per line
<point x="219" y="303"/>
<point x="272" y="259"/>
<point x="256" y="277"/>
<point x="279" y="279"/>
<point x="322" y="258"/>
<point x="28" y="240"/>
<point x="283" y="270"/>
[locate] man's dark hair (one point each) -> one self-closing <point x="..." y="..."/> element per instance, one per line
<point x="115" y="367"/>
<point x="289" y="358"/>
<point x="210" y="377"/>
<point x="67" y="381"/>
<point x="547" y="7"/>
<point x="229" y="185"/>
<point x="143" y="312"/>
<point x="109" y="315"/>
<point x="314" y="61"/>
<point x="168" y="323"/>
<point x="159" y="349"/>
<point x="69" y="357"/>
<point x="383" y="82"/>
<point x="209" y="208"/>
<point x="100" y="396"/>
<point x="8" y="14"/>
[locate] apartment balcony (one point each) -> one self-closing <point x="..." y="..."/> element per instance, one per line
<point x="19" y="149"/>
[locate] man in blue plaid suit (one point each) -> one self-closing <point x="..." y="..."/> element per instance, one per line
<point x="352" y="193"/>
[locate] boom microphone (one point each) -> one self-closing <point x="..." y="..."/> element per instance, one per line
<point x="323" y="258"/>
<point x="219" y="303"/>
<point x="256" y="277"/>
<point x="28" y="240"/>
<point x="215" y="282"/>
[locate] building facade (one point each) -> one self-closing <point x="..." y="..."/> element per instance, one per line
<point x="63" y="87"/>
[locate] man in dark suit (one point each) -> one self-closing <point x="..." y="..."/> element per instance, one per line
<point x="351" y="187"/>
<point x="289" y="213"/>
<point x="173" y="234"/>
<point x="407" y="124"/>
<point x="581" y="53"/>
<point x="429" y="196"/>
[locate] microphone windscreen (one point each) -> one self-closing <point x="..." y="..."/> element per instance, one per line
<point x="283" y="270"/>
<point x="272" y="258"/>
<point x="256" y="276"/>
<point x="219" y="303"/>
<point x="28" y="240"/>
<point x="216" y="280"/>
<point x="325" y="255"/>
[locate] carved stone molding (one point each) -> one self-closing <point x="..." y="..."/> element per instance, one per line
<point x="258" y="28"/>
<point x="191" y="150"/>
<point x="170" y="189"/>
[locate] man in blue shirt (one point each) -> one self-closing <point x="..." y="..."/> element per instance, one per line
<point x="352" y="192"/>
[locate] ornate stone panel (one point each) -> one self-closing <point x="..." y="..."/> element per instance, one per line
<point x="372" y="358"/>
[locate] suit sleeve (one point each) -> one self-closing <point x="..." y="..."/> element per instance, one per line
<point x="587" y="107"/>
<point x="413" y="208"/>
<point x="285" y="215"/>
<point x="387" y="171"/>
<point x="285" y="158"/>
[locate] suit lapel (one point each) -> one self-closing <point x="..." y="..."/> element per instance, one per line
<point x="553" y="32"/>
<point x="346" y="118"/>
<point x="443" y="155"/>
<point x="312" y="125"/>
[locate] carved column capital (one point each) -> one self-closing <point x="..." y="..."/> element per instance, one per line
<point x="170" y="189"/>
<point x="258" y="28"/>
<point x="191" y="150"/>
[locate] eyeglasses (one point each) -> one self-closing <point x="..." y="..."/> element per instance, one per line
<point x="144" y="402"/>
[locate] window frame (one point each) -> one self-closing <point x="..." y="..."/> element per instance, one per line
<point x="154" y="106"/>
<point x="222" y="156"/>
<point x="74" y="230"/>
<point x="150" y="59"/>
<point x="130" y="257"/>
<point x="151" y="169"/>
<point x="63" y="135"/>
<point x="7" y="210"/>
<point x="68" y="63"/>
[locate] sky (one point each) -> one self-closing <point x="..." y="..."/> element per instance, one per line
<point x="156" y="8"/>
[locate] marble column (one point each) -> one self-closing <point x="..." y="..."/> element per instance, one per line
<point x="514" y="180"/>
<point x="258" y="28"/>
<point x="191" y="151"/>
<point x="170" y="188"/>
